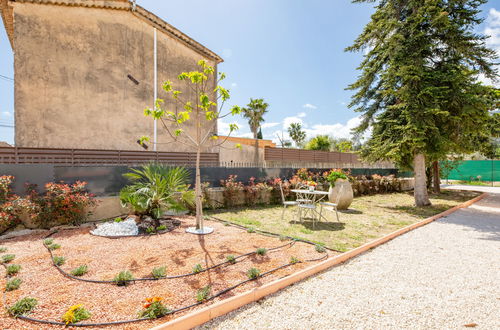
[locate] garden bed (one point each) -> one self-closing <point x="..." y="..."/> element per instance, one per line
<point x="368" y="218"/>
<point x="105" y="258"/>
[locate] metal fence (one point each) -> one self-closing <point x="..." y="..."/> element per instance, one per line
<point x="17" y="155"/>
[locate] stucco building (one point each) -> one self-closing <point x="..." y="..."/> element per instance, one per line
<point x="84" y="71"/>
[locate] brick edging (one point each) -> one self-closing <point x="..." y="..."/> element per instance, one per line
<point x="225" y="306"/>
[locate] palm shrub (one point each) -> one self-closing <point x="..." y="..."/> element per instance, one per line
<point x="156" y="188"/>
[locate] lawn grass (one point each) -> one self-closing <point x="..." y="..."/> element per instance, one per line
<point x="368" y="218"/>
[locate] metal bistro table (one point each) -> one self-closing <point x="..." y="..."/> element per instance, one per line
<point x="312" y="197"/>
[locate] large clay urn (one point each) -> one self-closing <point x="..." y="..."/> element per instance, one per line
<point x="346" y="194"/>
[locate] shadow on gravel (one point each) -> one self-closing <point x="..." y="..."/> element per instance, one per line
<point x="484" y="222"/>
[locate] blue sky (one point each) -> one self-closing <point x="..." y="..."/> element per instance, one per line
<point x="289" y="52"/>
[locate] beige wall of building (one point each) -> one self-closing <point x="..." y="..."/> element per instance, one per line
<point x="71" y="66"/>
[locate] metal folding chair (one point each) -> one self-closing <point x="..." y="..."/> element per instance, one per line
<point x="332" y="205"/>
<point x="285" y="202"/>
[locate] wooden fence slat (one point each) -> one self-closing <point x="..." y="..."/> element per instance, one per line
<point x="17" y="155"/>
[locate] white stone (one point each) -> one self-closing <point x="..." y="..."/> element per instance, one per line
<point x="124" y="228"/>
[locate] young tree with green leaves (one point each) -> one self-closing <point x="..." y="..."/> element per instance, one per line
<point x="199" y="110"/>
<point x="254" y="112"/>
<point x="418" y="91"/>
<point x="297" y="134"/>
<point x="320" y="142"/>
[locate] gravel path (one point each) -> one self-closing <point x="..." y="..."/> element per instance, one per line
<point x="441" y="276"/>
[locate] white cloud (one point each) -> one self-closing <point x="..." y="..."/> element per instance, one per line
<point x="7" y="114"/>
<point x="309" y="106"/>
<point x="301" y="114"/>
<point x="269" y="125"/>
<point x="289" y="120"/>
<point x="492" y="30"/>
<point x="234" y="85"/>
<point x="337" y="130"/>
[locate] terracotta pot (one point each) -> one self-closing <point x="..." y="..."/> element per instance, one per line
<point x="346" y="196"/>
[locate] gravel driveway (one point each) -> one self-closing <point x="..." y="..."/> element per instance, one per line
<point x="445" y="275"/>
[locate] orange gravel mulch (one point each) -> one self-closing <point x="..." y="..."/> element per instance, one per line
<point x="106" y="257"/>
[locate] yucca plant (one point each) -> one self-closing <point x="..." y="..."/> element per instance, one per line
<point x="156" y="188"/>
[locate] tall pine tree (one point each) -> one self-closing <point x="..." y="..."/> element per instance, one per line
<point x="418" y="91"/>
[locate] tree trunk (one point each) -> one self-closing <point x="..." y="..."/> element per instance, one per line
<point x="256" y="156"/>
<point x="436" y="177"/>
<point x="420" y="193"/>
<point x="198" y="193"/>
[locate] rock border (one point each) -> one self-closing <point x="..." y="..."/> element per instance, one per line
<point x="208" y="313"/>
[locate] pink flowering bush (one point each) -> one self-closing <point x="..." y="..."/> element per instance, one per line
<point x="12" y="207"/>
<point x="62" y="203"/>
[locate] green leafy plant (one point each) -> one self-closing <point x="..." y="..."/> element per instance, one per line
<point x="203" y="293"/>
<point x="320" y="142"/>
<point x="48" y="241"/>
<point x="159" y="272"/>
<point x="151" y="230"/>
<point x="123" y="278"/>
<point x="22" y="306"/>
<point x="320" y="248"/>
<point x="13" y="269"/>
<point x="154" y="308"/>
<point x="198" y="108"/>
<point x="197" y="269"/>
<point x="161" y="227"/>
<point x="250" y="230"/>
<point x="334" y="175"/>
<point x="13" y="284"/>
<point x="3" y="249"/>
<point x="231" y="259"/>
<point x="294" y="260"/>
<point x="76" y="314"/>
<point x="53" y="246"/>
<point x="6" y="258"/>
<point x="156" y="188"/>
<point x="118" y="219"/>
<point x="80" y="270"/>
<point x="58" y="260"/>
<point x="261" y="251"/>
<point x="253" y="273"/>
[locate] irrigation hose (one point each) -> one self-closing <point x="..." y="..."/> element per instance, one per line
<point x="29" y="319"/>
<point x="153" y="278"/>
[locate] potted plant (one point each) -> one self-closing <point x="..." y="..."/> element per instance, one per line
<point x="339" y="184"/>
<point x="312" y="185"/>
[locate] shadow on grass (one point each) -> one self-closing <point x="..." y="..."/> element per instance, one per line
<point x="330" y="226"/>
<point x="421" y="212"/>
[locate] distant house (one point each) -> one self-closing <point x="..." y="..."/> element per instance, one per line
<point x="84" y="71"/>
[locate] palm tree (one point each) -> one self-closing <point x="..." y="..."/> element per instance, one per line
<point x="254" y="112"/>
<point x="156" y="188"/>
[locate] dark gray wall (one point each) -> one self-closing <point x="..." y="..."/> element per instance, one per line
<point x="108" y="180"/>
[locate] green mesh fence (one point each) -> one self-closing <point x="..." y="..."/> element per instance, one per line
<point x="476" y="170"/>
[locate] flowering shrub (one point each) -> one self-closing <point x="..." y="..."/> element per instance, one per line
<point x="12" y="207"/>
<point x="254" y="191"/>
<point x="231" y="190"/>
<point x="274" y="184"/>
<point x="62" y="203"/>
<point x="154" y="308"/>
<point x="5" y="191"/>
<point x="75" y="314"/>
